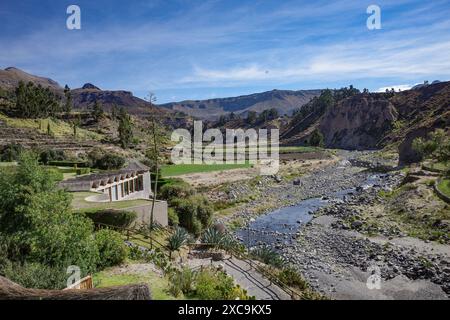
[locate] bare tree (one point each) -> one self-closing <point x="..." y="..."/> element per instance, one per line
<point x="151" y="98"/>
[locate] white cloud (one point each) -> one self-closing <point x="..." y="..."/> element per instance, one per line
<point x="397" y="87"/>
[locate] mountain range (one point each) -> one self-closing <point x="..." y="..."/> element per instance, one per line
<point x="285" y="101"/>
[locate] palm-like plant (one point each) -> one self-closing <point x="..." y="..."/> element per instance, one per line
<point x="177" y="240"/>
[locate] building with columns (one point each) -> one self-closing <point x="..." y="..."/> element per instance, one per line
<point x="132" y="182"/>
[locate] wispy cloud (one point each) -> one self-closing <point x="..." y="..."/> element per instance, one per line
<point x="218" y="44"/>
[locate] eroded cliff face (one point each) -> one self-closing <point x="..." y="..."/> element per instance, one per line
<point x="360" y="122"/>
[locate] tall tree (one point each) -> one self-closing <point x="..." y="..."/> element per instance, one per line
<point x="68" y="103"/>
<point x="316" y="139"/>
<point x="125" y="128"/>
<point x="97" y="111"/>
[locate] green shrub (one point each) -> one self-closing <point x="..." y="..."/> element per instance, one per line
<point x="51" y="155"/>
<point x="11" y="152"/>
<point x="35" y="217"/>
<point x="173" y="217"/>
<point x="291" y="277"/>
<point x="182" y="281"/>
<point x="194" y="213"/>
<point x="111" y="247"/>
<point x="111" y="217"/>
<point x="268" y="256"/>
<point x="109" y="162"/>
<point x="55" y="174"/>
<point x="215" y="285"/>
<point x="81" y="171"/>
<point x="35" y="275"/>
<point x="173" y="191"/>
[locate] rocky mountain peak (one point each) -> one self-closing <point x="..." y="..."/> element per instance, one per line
<point x="90" y="86"/>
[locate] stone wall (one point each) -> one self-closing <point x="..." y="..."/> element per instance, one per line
<point x="144" y="212"/>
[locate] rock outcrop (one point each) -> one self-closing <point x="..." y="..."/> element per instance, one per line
<point x="359" y="122"/>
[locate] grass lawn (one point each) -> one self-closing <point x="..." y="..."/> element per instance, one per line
<point x="80" y="204"/>
<point x="437" y="166"/>
<point x="157" y="284"/>
<point x="176" y="170"/>
<point x="298" y="149"/>
<point x="444" y="186"/>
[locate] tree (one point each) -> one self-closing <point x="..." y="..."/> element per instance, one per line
<point x="68" y="103"/>
<point x="316" y="139"/>
<point x="97" y="111"/>
<point x="251" y="117"/>
<point x="114" y="112"/>
<point x="268" y="115"/>
<point x="37" y="223"/>
<point x="125" y="129"/>
<point x="35" y="101"/>
<point x="436" y="147"/>
<point x="76" y="123"/>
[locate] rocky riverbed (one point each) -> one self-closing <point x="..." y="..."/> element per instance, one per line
<point x="339" y="261"/>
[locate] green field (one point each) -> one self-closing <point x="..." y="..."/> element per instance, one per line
<point x="298" y="149"/>
<point x="176" y="170"/>
<point x="444" y="187"/>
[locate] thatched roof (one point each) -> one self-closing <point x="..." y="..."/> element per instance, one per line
<point x="12" y="291"/>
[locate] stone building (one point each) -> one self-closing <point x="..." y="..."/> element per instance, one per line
<point x="130" y="183"/>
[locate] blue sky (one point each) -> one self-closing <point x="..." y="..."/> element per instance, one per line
<point x="195" y="49"/>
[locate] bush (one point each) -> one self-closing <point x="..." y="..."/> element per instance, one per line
<point x="316" y="139"/>
<point x="81" y="171"/>
<point x="11" y="152"/>
<point x="217" y="285"/>
<point x="110" y="217"/>
<point x="112" y="249"/>
<point x="182" y="281"/>
<point x="174" y="191"/>
<point x="292" y="278"/>
<point x="35" y="275"/>
<point x="173" y="217"/>
<point x="51" y="155"/>
<point x="268" y="256"/>
<point x="109" y="162"/>
<point x="194" y="213"/>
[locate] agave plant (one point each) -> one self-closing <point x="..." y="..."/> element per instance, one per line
<point x="268" y="256"/>
<point x="213" y="237"/>
<point x="178" y="239"/>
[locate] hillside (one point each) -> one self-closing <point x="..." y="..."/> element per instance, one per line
<point x="376" y="120"/>
<point x="285" y="101"/>
<point x="10" y="77"/>
<point x="83" y="97"/>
